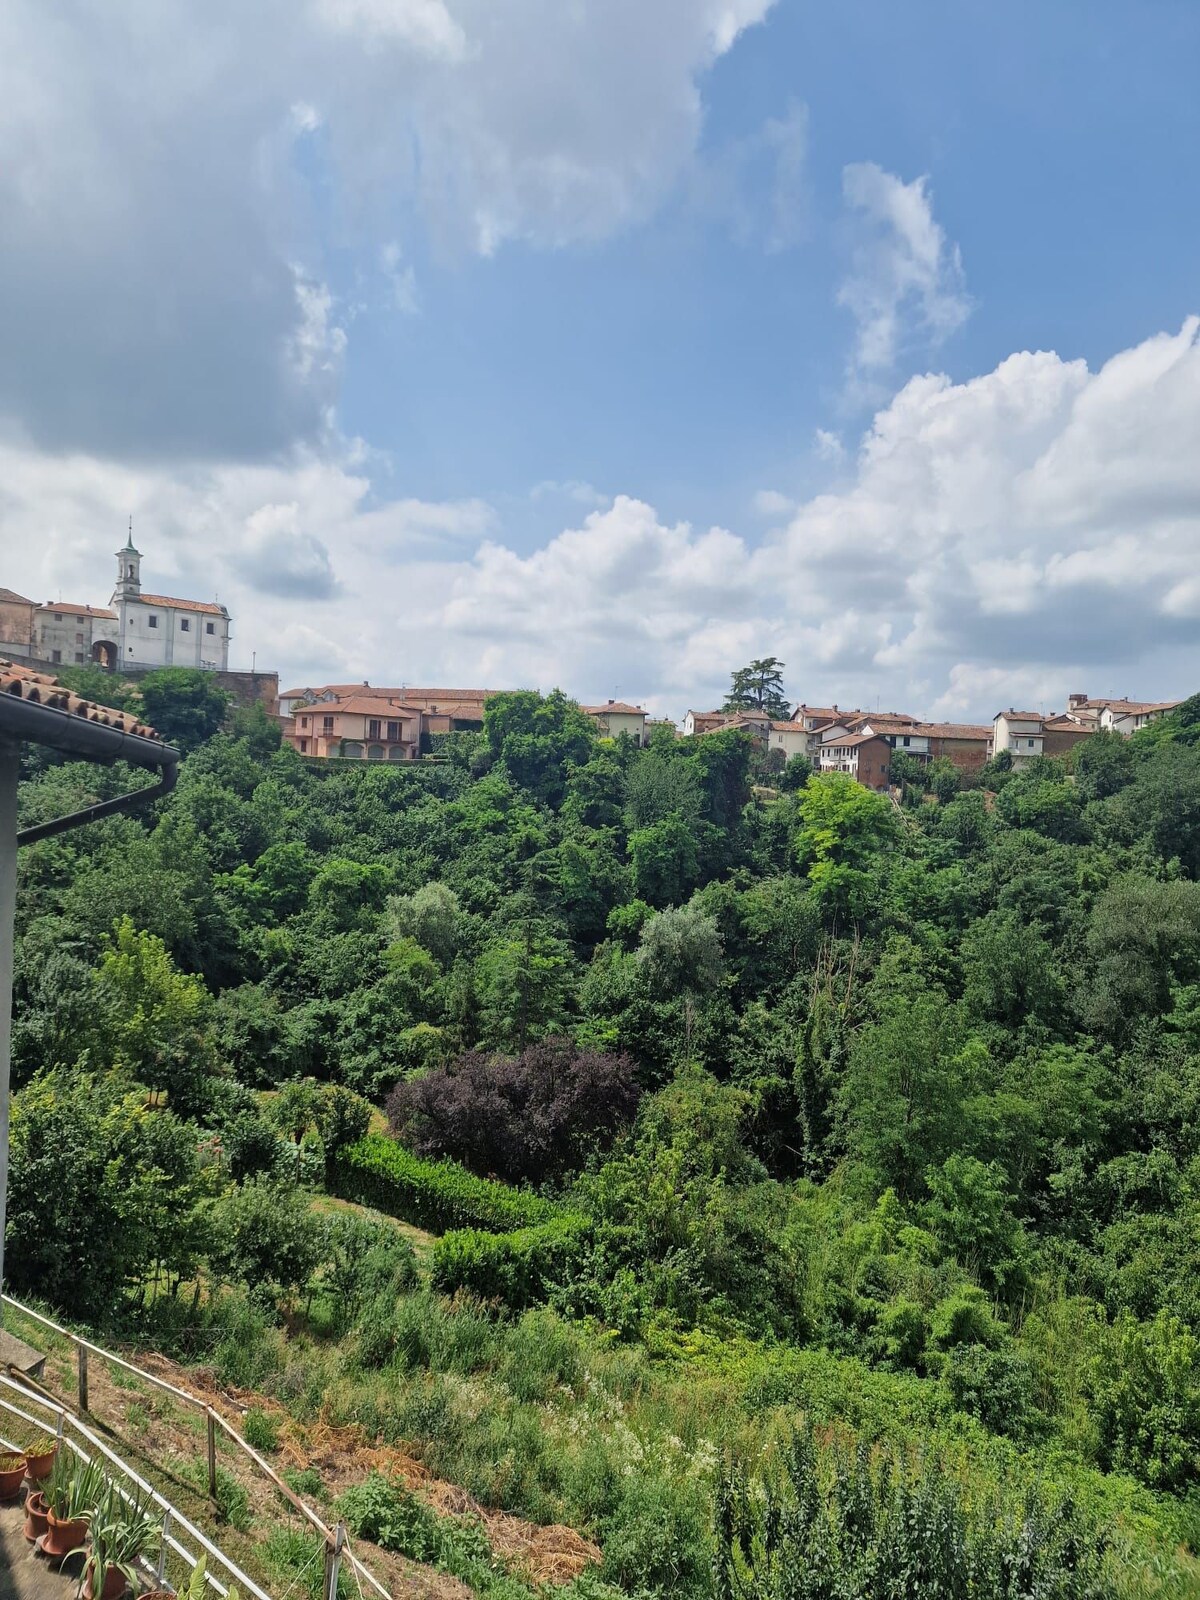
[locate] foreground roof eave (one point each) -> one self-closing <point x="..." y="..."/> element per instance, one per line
<point x="91" y="732"/>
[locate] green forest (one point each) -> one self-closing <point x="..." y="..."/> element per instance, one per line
<point x="796" y="1192"/>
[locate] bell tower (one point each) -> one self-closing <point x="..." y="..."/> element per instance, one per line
<point x="129" y="570"/>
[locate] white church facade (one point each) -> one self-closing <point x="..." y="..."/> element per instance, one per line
<point x="136" y="629"/>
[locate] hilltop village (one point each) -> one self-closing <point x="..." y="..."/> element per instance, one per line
<point x="140" y="631"/>
<point x="365" y="722"/>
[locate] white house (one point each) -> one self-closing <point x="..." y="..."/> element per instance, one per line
<point x="1021" y="733"/>
<point x="790" y="737"/>
<point x="158" y="630"/>
<point x="614" y="718"/>
<point x="73" y="634"/>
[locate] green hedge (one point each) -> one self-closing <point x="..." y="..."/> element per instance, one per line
<point x="432" y="1194"/>
<point x="519" y="1268"/>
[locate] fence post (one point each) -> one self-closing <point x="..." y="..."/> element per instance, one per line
<point x="212" y="1452"/>
<point x="81" y="1349"/>
<point x="333" y="1561"/>
<point x="161" y="1569"/>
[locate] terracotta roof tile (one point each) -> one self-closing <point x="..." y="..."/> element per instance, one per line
<point x="169" y="603"/>
<point x="66" y="606"/>
<point x="952" y="730"/>
<point x="41" y="689"/>
<point x="619" y="706"/>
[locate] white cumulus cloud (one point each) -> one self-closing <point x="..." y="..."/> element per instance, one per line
<point x="992" y="541"/>
<point x="905" y="285"/>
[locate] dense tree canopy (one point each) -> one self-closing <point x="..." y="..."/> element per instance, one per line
<point x="913" y="1082"/>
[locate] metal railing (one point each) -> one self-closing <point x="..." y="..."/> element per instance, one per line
<point x="337" y="1548"/>
<point x="33" y="1411"/>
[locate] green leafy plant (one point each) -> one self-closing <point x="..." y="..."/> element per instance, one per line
<point x="433" y="1194"/>
<point x="260" y="1429"/>
<point x="123" y="1531"/>
<point x="75" y="1487"/>
<point x="518" y="1268"/>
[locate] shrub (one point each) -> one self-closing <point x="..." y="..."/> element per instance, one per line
<point x="853" y="1521"/>
<point x="526" y="1118"/>
<point x="342" y="1118"/>
<point x="1147" y="1402"/>
<point x="997" y="1386"/>
<point x="264" y="1236"/>
<point x="654" y="1539"/>
<point x="432" y="1194"/>
<point x="260" y="1430"/>
<point x="391" y="1516"/>
<point x="519" y="1268"/>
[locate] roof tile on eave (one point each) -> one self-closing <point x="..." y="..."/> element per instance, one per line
<point x="39" y="689"/>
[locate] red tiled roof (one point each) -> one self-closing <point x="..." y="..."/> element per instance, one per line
<point x="952" y="730"/>
<point x="360" y="705"/>
<point x="10" y="597"/>
<point x="1022" y="716"/>
<point x="389" y="694"/>
<point x="825" y="711"/>
<point x="1133" y="708"/>
<point x="168" y="603"/>
<point x="41" y="689"/>
<point x="881" y="719"/>
<point x="65" y="605"/>
<point x="619" y="706"/>
<point x="848" y="741"/>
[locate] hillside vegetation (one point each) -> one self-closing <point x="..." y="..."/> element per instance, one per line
<point x="813" y="1184"/>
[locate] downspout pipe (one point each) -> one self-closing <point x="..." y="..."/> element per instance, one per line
<point x="86" y="737"/>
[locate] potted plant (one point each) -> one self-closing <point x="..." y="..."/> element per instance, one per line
<point x="193" y="1589"/>
<point x="12" y="1473"/>
<point x="122" y="1533"/>
<point x="37" y="1522"/>
<point x="40" y="1452"/>
<point x="73" y="1490"/>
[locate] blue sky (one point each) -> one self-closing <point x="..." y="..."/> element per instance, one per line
<point x="688" y="360"/>
<point x="613" y="343"/>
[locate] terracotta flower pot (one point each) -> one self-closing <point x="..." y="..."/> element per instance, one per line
<point x="12" y="1475"/>
<point x="37" y="1520"/>
<point x="63" y="1537"/>
<point x="40" y="1463"/>
<point x="115" y="1585"/>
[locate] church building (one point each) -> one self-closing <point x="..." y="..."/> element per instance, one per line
<point x="156" y="630"/>
<point x="134" y="630"/>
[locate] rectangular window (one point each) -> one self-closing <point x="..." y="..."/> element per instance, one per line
<point x="210" y="627"/>
<point x="328" y="725"/>
<point x="303" y="746"/>
<point x="1029" y="742"/>
<point x="56" y="655"/>
<point x="304" y="722"/>
<point x="79" y="655"/>
<point x="372" y="727"/>
<point x="394" y="733"/>
<point x="58" y="616"/>
<point x="152" y="621"/>
<point x="185" y="625"/>
<point x="78" y="638"/>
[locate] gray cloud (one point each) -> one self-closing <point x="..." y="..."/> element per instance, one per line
<point x="160" y="282"/>
<point x="948" y="573"/>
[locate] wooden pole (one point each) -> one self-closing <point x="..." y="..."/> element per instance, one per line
<point x="81" y="1352"/>
<point x="333" y="1561"/>
<point x="212" y="1452"/>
